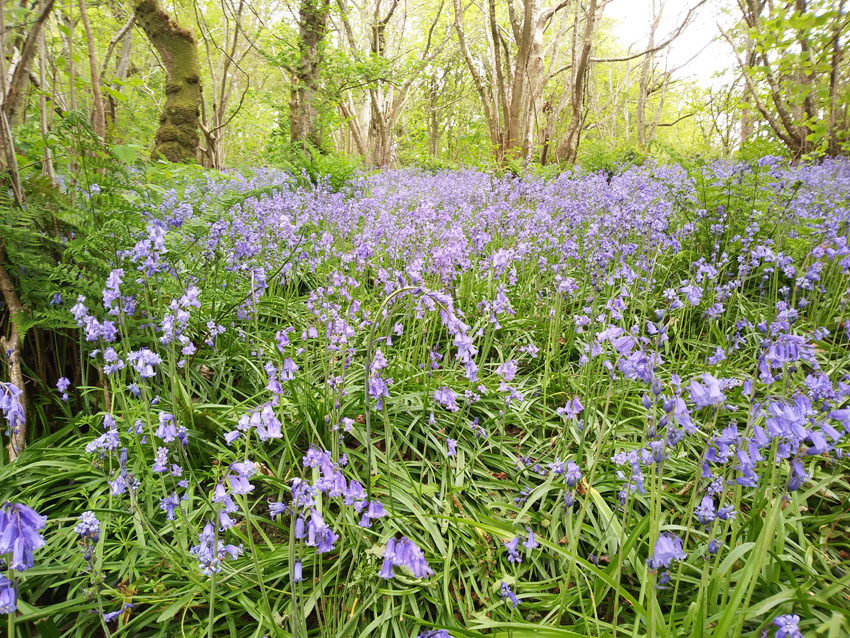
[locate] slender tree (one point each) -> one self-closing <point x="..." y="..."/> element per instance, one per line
<point x="99" y="114"/>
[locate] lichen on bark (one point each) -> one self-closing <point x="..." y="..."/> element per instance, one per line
<point x="177" y="138"/>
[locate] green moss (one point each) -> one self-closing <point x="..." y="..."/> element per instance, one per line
<point x="177" y="137"/>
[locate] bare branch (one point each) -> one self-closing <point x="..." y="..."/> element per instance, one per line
<point x="663" y="45"/>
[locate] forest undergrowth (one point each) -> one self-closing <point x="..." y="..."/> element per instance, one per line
<point x="441" y="404"/>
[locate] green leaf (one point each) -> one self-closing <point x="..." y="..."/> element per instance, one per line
<point x="172" y="610"/>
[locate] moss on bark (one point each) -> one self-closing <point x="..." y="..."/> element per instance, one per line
<point x="177" y="137"/>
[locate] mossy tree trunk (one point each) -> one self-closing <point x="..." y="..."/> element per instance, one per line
<point x="303" y="109"/>
<point x="177" y="137"/>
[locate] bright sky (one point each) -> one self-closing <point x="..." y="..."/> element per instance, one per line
<point x="633" y="19"/>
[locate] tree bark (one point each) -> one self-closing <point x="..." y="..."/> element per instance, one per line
<point x="568" y="148"/>
<point x="11" y="348"/>
<point x="303" y="111"/>
<point x="45" y="113"/>
<point x="834" y="147"/>
<point x="646" y="69"/>
<point x="14" y="93"/>
<point x="99" y="119"/>
<point x="354" y="127"/>
<point x="177" y="137"/>
<point x="491" y="111"/>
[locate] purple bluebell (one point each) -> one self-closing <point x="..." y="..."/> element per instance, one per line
<point x="112" y="615"/>
<point x="211" y="551"/>
<point x="787" y="626"/>
<point x="513" y="554"/>
<point x="668" y="548"/>
<point x="447" y="398"/>
<point x="531" y="541"/>
<point x="8" y="596"/>
<point x="707" y="392"/>
<point x="507" y="594"/>
<point x="705" y="511"/>
<point x="169" y="504"/>
<point x="20" y="536"/>
<point x="404" y="553"/>
<point x="10" y="406"/>
<point x="62" y="385"/>
<point x="451" y="444"/>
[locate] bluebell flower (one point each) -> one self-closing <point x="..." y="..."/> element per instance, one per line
<point x="220" y="496"/>
<point x="571" y="409"/>
<point x="319" y="535"/>
<point x="10" y="405"/>
<point x="787" y="626"/>
<point x="531" y="542"/>
<point x="705" y="510"/>
<point x="169" y="504"/>
<point x="667" y="549"/>
<point x="447" y="398"/>
<point x="297" y="572"/>
<point x="211" y="552"/>
<point x="269" y="425"/>
<point x="524" y="493"/>
<point x="240" y="484"/>
<point x="657" y="449"/>
<point x="404" y="553"/>
<point x="451" y="444"/>
<point x="167" y="430"/>
<point x="798" y="475"/>
<point x="507" y="370"/>
<point x="8" y="596"/>
<point x="144" y="361"/>
<point x="160" y="462"/>
<point x="663" y="579"/>
<point x="62" y="385"/>
<point x="707" y="393"/>
<point x="19" y="534"/>
<point x="726" y="513"/>
<point x="373" y="510"/>
<point x="513" y="554"/>
<point x="112" y="615"/>
<point x="573" y="474"/>
<point x="88" y="527"/>
<point x="507" y="594"/>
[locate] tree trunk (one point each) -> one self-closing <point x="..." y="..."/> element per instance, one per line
<point x="354" y="127"/>
<point x="491" y="109"/>
<point x="646" y="69"/>
<point x="14" y="92"/>
<point x="45" y="112"/>
<point x="99" y="119"/>
<point x="568" y="148"/>
<point x="177" y="137"/>
<point x="434" y="131"/>
<point x="11" y="348"/>
<point x="69" y="42"/>
<point x="499" y="90"/>
<point x="834" y="147"/>
<point x="125" y="37"/>
<point x="518" y="119"/>
<point x="303" y="111"/>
